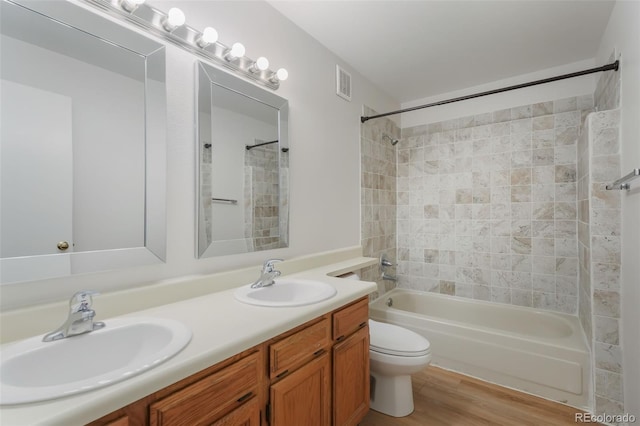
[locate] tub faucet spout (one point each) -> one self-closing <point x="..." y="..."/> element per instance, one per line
<point x="388" y="277"/>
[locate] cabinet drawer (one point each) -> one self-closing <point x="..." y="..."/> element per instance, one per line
<point x="293" y="351"/>
<point x="350" y="319"/>
<point x="208" y="399"/>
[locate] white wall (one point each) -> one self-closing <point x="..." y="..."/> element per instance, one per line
<point x="623" y="34"/>
<point x="324" y="137"/>
<point x="557" y="90"/>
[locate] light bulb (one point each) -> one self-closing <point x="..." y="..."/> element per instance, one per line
<point x="260" y="64"/>
<point x="209" y="36"/>
<point x="175" y="18"/>
<point x="282" y="74"/>
<point x="237" y="51"/>
<point x="131" y="5"/>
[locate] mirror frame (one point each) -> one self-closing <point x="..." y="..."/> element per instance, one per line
<point x="154" y="249"/>
<point x="217" y="77"/>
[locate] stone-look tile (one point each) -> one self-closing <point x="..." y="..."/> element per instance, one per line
<point x="606" y="249"/>
<point x="608" y="406"/>
<point x="605" y="119"/>
<point x="565" y="210"/>
<point x="603" y="199"/>
<point x="606" y="330"/>
<point x="447" y="287"/>
<point x="605" y="222"/>
<point x="568" y="119"/>
<point x="502" y="115"/>
<point x="543" y="246"/>
<point x="609" y="385"/>
<point x="543" y="157"/>
<point x="606" y="303"/>
<point x="380" y="173"/>
<point x="488" y="203"/>
<point x="542" y="108"/>
<point x="566" y="285"/>
<point x="521" y="297"/>
<point x="564" y="105"/>
<point x="605" y="168"/>
<point x="567" y="266"/>
<point x="566" y="135"/>
<point x="608" y="357"/>
<point x="521" y="193"/>
<point x="500" y="294"/>
<point x="543" y="123"/>
<point x="565" y="173"/>
<point x="586" y="102"/>
<point x="521" y="125"/>
<point x="544" y="265"/>
<point x="606" y="276"/>
<point x="606" y="142"/>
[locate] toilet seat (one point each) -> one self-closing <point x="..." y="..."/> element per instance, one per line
<point x="393" y="340"/>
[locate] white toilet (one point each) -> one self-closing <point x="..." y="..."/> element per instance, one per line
<point x="395" y="353"/>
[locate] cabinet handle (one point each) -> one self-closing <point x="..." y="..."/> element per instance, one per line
<point x="362" y="324"/>
<point x="340" y="338"/>
<point x="245" y="397"/>
<point x="318" y="352"/>
<point x="282" y="374"/>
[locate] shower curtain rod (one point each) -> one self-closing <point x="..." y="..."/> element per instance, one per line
<point x="612" y="66"/>
<point x="249" y="147"/>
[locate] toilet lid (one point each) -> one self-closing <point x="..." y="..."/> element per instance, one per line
<point x="393" y="340"/>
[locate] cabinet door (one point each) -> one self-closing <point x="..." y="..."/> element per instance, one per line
<point x="210" y="398"/>
<point x="304" y="396"/>
<point x="351" y="379"/>
<point x="245" y="415"/>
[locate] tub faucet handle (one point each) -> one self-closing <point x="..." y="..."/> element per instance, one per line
<point x="384" y="262"/>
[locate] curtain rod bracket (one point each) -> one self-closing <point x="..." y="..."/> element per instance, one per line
<point x="614" y="66"/>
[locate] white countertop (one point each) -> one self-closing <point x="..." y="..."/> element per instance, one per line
<point x="221" y="327"/>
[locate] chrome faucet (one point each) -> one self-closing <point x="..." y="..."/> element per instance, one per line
<point x="80" y="318"/>
<point x="269" y="272"/>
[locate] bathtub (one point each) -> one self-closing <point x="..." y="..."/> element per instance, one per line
<point x="538" y="352"/>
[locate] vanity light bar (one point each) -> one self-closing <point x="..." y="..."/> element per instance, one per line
<point x="171" y="26"/>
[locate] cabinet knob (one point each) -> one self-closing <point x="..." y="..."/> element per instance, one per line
<point x="63" y="245"/>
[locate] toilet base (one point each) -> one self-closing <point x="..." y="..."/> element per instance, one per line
<point x="391" y="395"/>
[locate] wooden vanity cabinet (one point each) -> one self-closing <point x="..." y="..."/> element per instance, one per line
<point x="209" y="399"/>
<point x="228" y="393"/>
<point x="351" y="363"/>
<point x="316" y="374"/>
<point x="300" y="375"/>
<point x="304" y="396"/>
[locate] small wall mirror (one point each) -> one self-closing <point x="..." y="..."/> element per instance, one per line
<point x="243" y="166"/>
<point x="83" y="156"/>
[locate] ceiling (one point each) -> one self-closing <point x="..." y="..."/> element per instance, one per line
<point x="417" y="49"/>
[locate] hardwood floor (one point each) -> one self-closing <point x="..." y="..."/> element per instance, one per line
<point x="446" y="398"/>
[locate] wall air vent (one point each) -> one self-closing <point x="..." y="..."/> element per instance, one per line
<point x="343" y="83"/>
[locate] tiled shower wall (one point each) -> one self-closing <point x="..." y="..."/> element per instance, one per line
<point x="603" y="257"/>
<point x="378" y="196"/>
<point x="262" y="197"/>
<point x="599" y="232"/>
<point x="487" y="205"/>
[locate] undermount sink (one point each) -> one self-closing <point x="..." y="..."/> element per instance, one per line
<point x="286" y="292"/>
<point x="32" y="370"/>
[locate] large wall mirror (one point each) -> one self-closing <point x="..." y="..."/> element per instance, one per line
<point x="82" y="144"/>
<point x="243" y="166"/>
